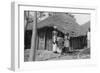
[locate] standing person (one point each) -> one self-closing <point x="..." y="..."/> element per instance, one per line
<point x="88" y="38"/>
<point x="54" y="44"/>
<point x="66" y="43"/>
<point x="54" y="40"/>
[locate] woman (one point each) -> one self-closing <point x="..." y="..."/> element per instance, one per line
<point x="66" y="44"/>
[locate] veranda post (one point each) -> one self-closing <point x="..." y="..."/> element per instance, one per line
<point x="33" y="39"/>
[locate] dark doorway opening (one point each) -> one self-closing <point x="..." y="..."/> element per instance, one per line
<point x="27" y="39"/>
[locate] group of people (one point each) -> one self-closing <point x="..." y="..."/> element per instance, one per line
<point x="61" y="44"/>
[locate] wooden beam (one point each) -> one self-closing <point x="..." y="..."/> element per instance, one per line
<point x="33" y="39"/>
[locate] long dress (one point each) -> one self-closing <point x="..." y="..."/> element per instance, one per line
<point x="60" y="44"/>
<point x="66" y="43"/>
<point x="54" y="44"/>
<point x="54" y="47"/>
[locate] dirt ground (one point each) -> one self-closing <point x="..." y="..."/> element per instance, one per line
<point x="44" y="55"/>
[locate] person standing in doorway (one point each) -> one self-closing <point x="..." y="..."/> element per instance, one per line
<point x="66" y="44"/>
<point x="54" y="40"/>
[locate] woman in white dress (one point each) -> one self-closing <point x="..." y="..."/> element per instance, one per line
<point x="54" y="41"/>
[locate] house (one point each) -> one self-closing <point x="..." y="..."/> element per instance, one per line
<point x="64" y="22"/>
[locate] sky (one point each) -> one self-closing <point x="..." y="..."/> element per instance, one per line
<point x="82" y="18"/>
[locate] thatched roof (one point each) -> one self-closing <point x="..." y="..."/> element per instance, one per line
<point x="64" y="23"/>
